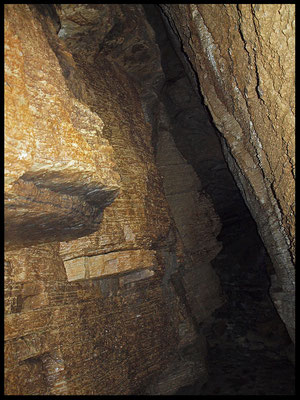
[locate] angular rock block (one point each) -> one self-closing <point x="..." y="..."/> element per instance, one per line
<point x="109" y="264"/>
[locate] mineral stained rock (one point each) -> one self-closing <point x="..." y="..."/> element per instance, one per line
<point x="243" y="57"/>
<point x="109" y="231"/>
<point x="95" y="302"/>
<point x="55" y="183"/>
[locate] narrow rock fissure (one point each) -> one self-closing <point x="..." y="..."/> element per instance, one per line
<point x="148" y="214"/>
<point x="249" y="349"/>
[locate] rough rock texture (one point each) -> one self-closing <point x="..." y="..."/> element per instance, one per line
<point x="55" y="185"/>
<point x="112" y="183"/>
<point x="82" y="337"/>
<point x="193" y="133"/>
<point x="99" y="280"/>
<point x="245" y="67"/>
<point x="247" y="326"/>
<point x="192" y="210"/>
<point x="128" y="42"/>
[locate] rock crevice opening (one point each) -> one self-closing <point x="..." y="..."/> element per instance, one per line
<point x="144" y="199"/>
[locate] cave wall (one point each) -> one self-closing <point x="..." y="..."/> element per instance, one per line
<point x="109" y="231"/>
<point x="242" y="58"/>
<point x="99" y="279"/>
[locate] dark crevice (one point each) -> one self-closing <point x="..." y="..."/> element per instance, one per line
<point x="246" y="333"/>
<point x="249" y="350"/>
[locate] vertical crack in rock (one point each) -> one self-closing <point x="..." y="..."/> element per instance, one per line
<point x="273" y="227"/>
<point x="133" y="266"/>
<point x="257" y="145"/>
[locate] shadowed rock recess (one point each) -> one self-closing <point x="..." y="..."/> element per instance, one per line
<point x="149" y="199"/>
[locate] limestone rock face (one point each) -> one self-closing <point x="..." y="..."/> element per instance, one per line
<point x="112" y="183"/>
<point x="246" y="70"/>
<point x="95" y="279"/>
<point x="56" y="185"/>
<point x="128" y="42"/>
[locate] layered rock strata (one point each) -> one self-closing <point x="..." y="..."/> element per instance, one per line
<point x="111" y="180"/>
<point x="96" y="295"/>
<point x="245" y="68"/>
<point x="55" y="184"/>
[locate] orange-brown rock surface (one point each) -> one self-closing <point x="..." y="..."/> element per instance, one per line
<point x="243" y="57"/>
<point x="53" y="177"/>
<point x="110" y="221"/>
<point x="94" y="300"/>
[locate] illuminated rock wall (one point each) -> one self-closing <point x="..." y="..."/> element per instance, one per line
<point x="242" y="58"/>
<point x="93" y="294"/>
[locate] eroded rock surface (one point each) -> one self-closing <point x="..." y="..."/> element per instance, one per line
<point x="246" y="68"/>
<point x="104" y="303"/>
<point x="56" y="185"/>
<point x="112" y="186"/>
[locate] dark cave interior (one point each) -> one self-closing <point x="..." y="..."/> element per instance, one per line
<point x="249" y="347"/>
<point x="249" y="350"/>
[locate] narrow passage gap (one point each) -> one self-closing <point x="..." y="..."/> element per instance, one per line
<point x="249" y="349"/>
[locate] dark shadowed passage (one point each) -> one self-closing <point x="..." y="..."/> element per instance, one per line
<point x="249" y="349"/>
